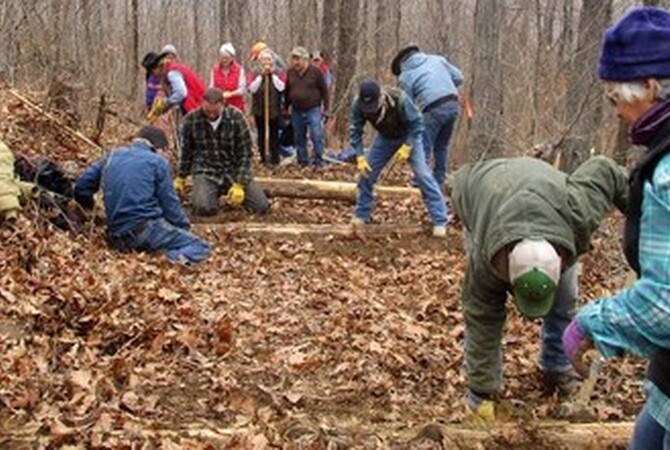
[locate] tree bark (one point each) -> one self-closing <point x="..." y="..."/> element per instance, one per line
<point x="347" y="49"/>
<point x="224" y="29"/>
<point x="329" y="28"/>
<point x="135" y="47"/>
<point x="484" y="140"/>
<point x="584" y="98"/>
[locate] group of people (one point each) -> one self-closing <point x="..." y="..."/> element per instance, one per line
<point x="525" y="222"/>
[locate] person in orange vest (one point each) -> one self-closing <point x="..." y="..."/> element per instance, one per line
<point x="183" y="86"/>
<point x="228" y="76"/>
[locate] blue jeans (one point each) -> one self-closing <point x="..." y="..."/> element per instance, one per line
<point x="159" y="235"/>
<point x="552" y="355"/>
<point x="381" y="151"/>
<point x="649" y="434"/>
<point x="439" y="125"/>
<point x="303" y="119"/>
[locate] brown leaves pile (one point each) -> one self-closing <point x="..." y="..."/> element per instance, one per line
<point x="294" y="343"/>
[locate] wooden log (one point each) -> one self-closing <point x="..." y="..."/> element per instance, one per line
<point x="541" y="434"/>
<point x="303" y="229"/>
<point x="326" y="190"/>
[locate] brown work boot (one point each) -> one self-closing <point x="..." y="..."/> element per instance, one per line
<point x="565" y="383"/>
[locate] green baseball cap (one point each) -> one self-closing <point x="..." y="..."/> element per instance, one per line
<point x="534" y="271"/>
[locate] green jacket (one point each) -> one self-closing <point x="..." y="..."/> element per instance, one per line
<point x="503" y="201"/>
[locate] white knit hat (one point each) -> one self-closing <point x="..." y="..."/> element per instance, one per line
<point x="169" y="48"/>
<point x="227" y="49"/>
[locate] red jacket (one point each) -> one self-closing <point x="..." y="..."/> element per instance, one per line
<point x="195" y="88"/>
<point x="229" y="82"/>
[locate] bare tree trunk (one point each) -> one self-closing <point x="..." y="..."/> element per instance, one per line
<point x="329" y="28"/>
<point x="584" y="98"/>
<point x="346" y="61"/>
<point x="135" y="47"/>
<point x="484" y="139"/>
<point x="567" y="33"/>
<point x="224" y="30"/>
<point x="197" y="38"/>
<point x="380" y="41"/>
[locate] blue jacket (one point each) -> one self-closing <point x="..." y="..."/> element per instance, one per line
<point x="427" y="78"/>
<point x="136" y="185"/>
<point x="637" y="319"/>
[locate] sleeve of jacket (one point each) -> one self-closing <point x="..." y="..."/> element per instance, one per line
<point x="637" y="319"/>
<point x="88" y="183"/>
<point x="167" y="197"/>
<point x="243" y="147"/>
<point x="413" y="120"/>
<point x="594" y="188"/>
<point x="356" y="128"/>
<point x="178" y="90"/>
<point x="485" y="314"/>
<point x="455" y="72"/>
<point x="187" y="147"/>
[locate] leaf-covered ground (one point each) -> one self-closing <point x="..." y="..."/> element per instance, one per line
<point x="298" y="342"/>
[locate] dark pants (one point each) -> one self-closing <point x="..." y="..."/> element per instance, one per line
<point x="274" y="139"/>
<point x="205" y="196"/>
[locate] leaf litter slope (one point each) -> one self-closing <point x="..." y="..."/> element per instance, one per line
<point x="274" y="341"/>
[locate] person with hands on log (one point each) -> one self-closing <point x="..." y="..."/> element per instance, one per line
<point x="397" y="121"/>
<point x="216" y="151"/>
<point x="525" y="225"/>
<point x="266" y="87"/>
<point x="635" y="68"/>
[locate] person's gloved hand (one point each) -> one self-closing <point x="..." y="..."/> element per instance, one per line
<point x="575" y="345"/>
<point x="362" y="165"/>
<point x="179" y="184"/>
<point x="157" y="109"/>
<point x="235" y="195"/>
<point x="403" y="153"/>
<point x="481" y="408"/>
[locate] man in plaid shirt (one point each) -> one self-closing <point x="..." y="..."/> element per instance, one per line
<point x="216" y="151"/>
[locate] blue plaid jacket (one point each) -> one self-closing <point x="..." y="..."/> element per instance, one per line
<point x="637" y="319"/>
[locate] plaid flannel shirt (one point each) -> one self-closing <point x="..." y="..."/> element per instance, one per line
<point x="222" y="155"/>
<point x="637" y="319"/>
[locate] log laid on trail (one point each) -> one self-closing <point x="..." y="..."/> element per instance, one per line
<point x="302" y="229"/>
<point x="325" y="190"/>
<point x="550" y="434"/>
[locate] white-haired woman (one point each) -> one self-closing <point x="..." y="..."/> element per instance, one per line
<point x="228" y="76"/>
<point x="635" y="65"/>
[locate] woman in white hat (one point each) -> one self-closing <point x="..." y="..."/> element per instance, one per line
<point x="228" y="76"/>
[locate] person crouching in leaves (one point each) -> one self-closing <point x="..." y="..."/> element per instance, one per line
<point x="142" y="209"/>
<point x="396" y="120"/>
<point x="525" y="225"/>
<point x="216" y="151"/>
<point x="266" y="106"/>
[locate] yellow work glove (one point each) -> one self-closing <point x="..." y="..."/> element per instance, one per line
<point x="483" y="412"/>
<point x="362" y="165"/>
<point x="235" y="195"/>
<point x="179" y="184"/>
<point x="403" y="153"/>
<point x="157" y="109"/>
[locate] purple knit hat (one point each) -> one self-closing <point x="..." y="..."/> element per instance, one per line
<point x="637" y="46"/>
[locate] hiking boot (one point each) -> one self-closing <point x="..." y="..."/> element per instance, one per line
<point x="566" y="383"/>
<point x="440" y="231"/>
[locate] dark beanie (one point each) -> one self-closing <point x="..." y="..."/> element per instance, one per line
<point x="154" y="135"/>
<point x="637" y="47"/>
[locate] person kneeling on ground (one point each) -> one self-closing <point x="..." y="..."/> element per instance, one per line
<point x="216" y="150"/>
<point x="526" y="223"/>
<point x="142" y="208"/>
<point x="397" y="120"/>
